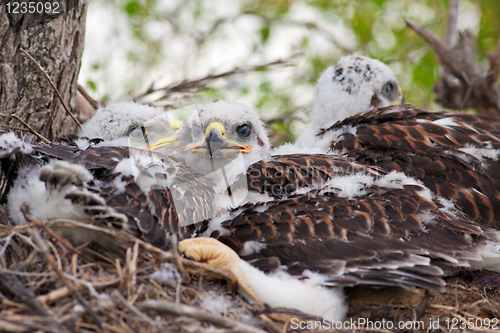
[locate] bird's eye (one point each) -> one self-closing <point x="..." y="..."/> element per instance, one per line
<point x="177" y="128"/>
<point x="389" y="86"/>
<point x="244" y="130"/>
<point x="138" y="132"/>
<point x="196" y="130"/>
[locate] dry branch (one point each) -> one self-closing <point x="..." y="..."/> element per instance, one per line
<point x="197" y="84"/>
<point x="45" y="272"/>
<point x="89" y="99"/>
<point x="451" y="27"/>
<point x="203" y="315"/>
<point x="463" y="84"/>
<point x="15" y="116"/>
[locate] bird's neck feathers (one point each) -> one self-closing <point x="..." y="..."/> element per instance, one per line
<point x="331" y="108"/>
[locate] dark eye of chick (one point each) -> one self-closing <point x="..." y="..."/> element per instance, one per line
<point x="244" y="130"/>
<point x="196" y="130"/>
<point x="389" y="86"/>
<point x="138" y="132"/>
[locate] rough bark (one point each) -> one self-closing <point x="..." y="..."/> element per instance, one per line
<point x="55" y="41"/>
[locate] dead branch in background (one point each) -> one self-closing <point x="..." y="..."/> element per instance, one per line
<point x="462" y="83"/>
<point x="84" y="93"/>
<point x="29" y="128"/>
<point x="197" y="84"/>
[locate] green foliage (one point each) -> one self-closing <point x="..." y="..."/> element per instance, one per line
<point x="92" y="85"/>
<point x="374" y="28"/>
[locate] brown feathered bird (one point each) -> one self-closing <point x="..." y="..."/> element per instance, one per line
<point x="326" y="221"/>
<point x="453" y="154"/>
<point x="128" y="180"/>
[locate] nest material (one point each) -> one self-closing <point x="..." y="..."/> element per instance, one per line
<point x="49" y="285"/>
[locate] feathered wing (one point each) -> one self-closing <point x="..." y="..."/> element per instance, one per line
<point x="453" y="154"/>
<point x="146" y="194"/>
<point x="283" y="175"/>
<point x="386" y="236"/>
<point x="410" y="129"/>
<point x="473" y="185"/>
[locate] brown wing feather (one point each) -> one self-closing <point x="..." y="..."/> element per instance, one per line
<point x="473" y="185"/>
<point x="382" y="237"/>
<point x="409" y="140"/>
<point x="410" y="129"/>
<point x="149" y="215"/>
<point x="283" y="175"/>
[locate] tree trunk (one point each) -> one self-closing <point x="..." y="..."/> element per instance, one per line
<point x="55" y="41"/>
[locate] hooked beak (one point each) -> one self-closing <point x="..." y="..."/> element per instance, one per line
<point x="181" y="136"/>
<point x="216" y="143"/>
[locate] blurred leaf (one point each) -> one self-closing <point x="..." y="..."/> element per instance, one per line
<point x="131" y="7"/>
<point x="92" y="85"/>
<point x="264" y="33"/>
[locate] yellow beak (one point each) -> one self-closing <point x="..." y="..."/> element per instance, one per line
<point x="181" y="136"/>
<point x="216" y="143"/>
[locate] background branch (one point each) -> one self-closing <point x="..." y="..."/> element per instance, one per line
<point x="197" y="84"/>
<point x="462" y="83"/>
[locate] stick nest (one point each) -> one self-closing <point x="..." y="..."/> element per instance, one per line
<point x="49" y="285"/>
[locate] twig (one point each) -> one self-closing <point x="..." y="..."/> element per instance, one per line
<point x="89" y="99"/>
<point x="192" y="267"/>
<point x="474" y="88"/>
<point x="326" y="33"/>
<point x="286" y="116"/>
<point x="470" y="87"/>
<point x="58" y="237"/>
<point x="45" y="251"/>
<point x="190" y="311"/>
<point x="177" y="259"/>
<point x="437" y="45"/>
<point x="451" y="28"/>
<point x="11" y="283"/>
<point x="29" y="274"/>
<point x="123" y="236"/>
<point x="494" y="70"/>
<point x="186" y="85"/>
<point x="15" y="116"/>
<point x="14" y="128"/>
<point x="131" y="260"/>
<point x="294" y="312"/>
<point x="53" y="86"/>
<point x="135" y="310"/>
<point x="23" y="228"/>
<point x="33" y="325"/>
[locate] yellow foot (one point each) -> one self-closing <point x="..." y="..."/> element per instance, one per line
<point x="213" y="252"/>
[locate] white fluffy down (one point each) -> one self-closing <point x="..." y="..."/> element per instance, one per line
<point x="9" y="141"/>
<point x="488" y="152"/>
<point x="352" y="186"/>
<point x="230" y="114"/>
<point x="41" y="202"/>
<point x="290" y="149"/>
<point x="283" y="290"/>
<point x="229" y="171"/>
<point x="114" y="119"/>
<point x="344" y="90"/>
<point x="350" y="93"/>
<point x="217" y="303"/>
<point x="167" y="274"/>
